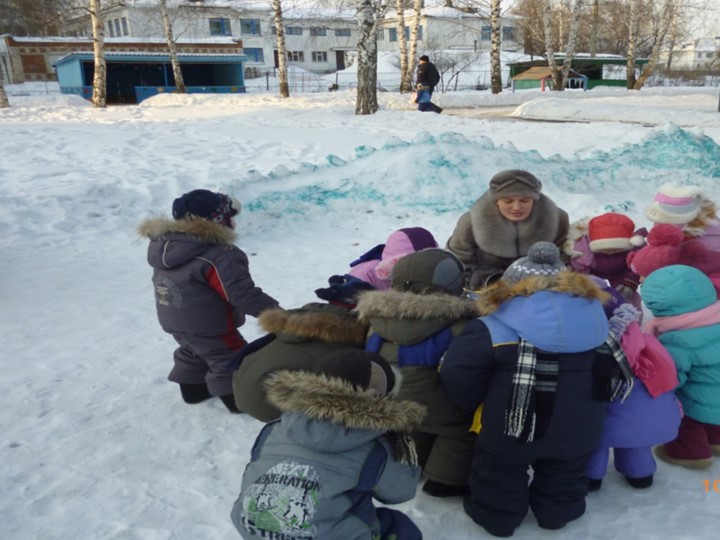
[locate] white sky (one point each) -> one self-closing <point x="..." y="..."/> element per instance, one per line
<point x="96" y="444"/>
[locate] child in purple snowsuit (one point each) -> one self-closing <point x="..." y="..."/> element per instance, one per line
<point x="650" y="415"/>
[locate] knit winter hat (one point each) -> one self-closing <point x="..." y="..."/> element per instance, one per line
<point x="425" y="58"/>
<point x="364" y="370"/>
<point x="515" y="183"/>
<point x="205" y="204"/>
<point x="674" y="204"/>
<point x="543" y="259"/>
<point x="613" y="231"/>
<point x="663" y="249"/>
<point x="401" y="243"/>
<point x="429" y="271"/>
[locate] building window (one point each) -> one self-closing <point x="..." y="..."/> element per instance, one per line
<point x="220" y="27"/>
<point x="508" y="33"/>
<point x="117" y="28"/>
<point x="317" y="31"/>
<point x="295" y="56"/>
<point x="381" y="34"/>
<point x="124" y="26"/>
<point x="250" y="27"/>
<point x="344" y="32"/>
<point x="293" y="31"/>
<point x="255" y="54"/>
<point x="485" y="33"/>
<point x="420" y="32"/>
<point x="392" y="34"/>
<point x="319" y="56"/>
<point x="111" y="29"/>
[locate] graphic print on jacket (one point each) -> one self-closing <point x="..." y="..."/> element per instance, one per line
<point x="282" y="502"/>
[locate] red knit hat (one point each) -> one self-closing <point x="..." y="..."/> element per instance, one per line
<point x="613" y="231"/>
<point x="663" y="249"/>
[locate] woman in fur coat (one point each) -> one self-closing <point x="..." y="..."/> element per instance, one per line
<point x="501" y="226"/>
<point x="340" y="442"/>
<point x="411" y="326"/>
<point x="296" y="340"/>
<point x="203" y="290"/>
<point x="531" y="362"/>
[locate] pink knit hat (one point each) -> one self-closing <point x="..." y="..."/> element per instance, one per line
<point x="663" y="249"/>
<point x="674" y="204"/>
<point x="613" y="231"/>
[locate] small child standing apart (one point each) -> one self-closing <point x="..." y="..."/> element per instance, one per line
<point x="340" y="442"/>
<point x="203" y="290"/>
<point x="687" y="321"/>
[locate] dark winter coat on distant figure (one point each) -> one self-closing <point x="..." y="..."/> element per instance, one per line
<point x="203" y="290"/>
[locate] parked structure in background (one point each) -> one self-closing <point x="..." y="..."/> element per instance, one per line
<point x="703" y="53"/>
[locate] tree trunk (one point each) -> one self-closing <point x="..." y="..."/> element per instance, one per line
<point x="368" y="11"/>
<point x="495" y="35"/>
<point x="572" y="40"/>
<point x="172" y="48"/>
<point x="659" y="38"/>
<point x="99" y="96"/>
<point x="282" y="50"/>
<point x="412" y="53"/>
<point x="632" y="45"/>
<point x="403" y="46"/>
<point x="4" y="103"/>
<point x="550" y="43"/>
<point x="594" y="29"/>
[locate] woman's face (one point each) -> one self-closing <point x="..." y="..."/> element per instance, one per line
<point x="515" y="208"/>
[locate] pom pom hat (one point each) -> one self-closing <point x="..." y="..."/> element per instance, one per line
<point x="543" y="259"/>
<point x="613" y="231"/>
<point x="674" y="204"/>
<point x="201" y="203"/>
<point x="663" y="249"/>
<point x="515" y="183"/>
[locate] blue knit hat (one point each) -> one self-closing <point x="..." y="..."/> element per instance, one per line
<point x="205" y="204"/>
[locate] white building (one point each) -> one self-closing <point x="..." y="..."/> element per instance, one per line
<point x="699" y="54"/>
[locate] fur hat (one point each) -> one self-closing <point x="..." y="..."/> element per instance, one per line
<point x="543" y="259"/>
<point x="613" y="231"/>
<point x="205" y="204"/>
<point x="364" y="370"/>
<point x="428" y="271"/>
<point x="674" y="204"/>
<point x="663" y="249"/>
<point x="515" y="183"/>
<point x="425" y="58"/>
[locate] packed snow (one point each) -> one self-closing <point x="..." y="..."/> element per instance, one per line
<point x="97" y="444"/>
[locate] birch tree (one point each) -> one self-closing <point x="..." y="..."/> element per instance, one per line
<point x="658" y="40"/>
<point x="403" y="46"/>
<point x="412" y="52"/>
<point x="632" y="44"/>
<point x="99" y="96"/>
<point x="560" y="73"/>
<point x="495" y="43"/>
<point x="368" y="14"/>
<point x="172" y="47"/>
<point x="281" y="49"/>
<point x="4" y="103"/>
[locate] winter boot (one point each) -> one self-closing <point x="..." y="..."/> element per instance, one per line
<point x="715" y="449"/>
<point x="194" y="393"/>
<point x="594" y="484"/>
<point x="702" y="463"/>
<point x="437" y="489"/>
<point x="640" y="483"/>
<point x="229" y="401"/>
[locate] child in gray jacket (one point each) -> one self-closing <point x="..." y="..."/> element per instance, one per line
<point x="203" y="290"/>
<point x="340" y="442"/>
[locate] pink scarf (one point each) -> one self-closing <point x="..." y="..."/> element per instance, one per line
<point x="702" y="317"/>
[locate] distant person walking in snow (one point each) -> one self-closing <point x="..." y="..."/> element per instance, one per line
<point x="203" y="290"/>
<point x="426" y="80"/>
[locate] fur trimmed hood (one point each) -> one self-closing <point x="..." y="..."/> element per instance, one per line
<point x="334" y="400"/>
<point x="504" y="238"/>
<point x="201" y="229"/>
<point x="407" y="318"/>
<point x="492" y="297"/>
<point x="316" y="321"/>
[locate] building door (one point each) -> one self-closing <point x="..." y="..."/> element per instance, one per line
<point x="340" y="59"/>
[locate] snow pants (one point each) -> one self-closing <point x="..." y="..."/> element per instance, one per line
<point x="207" y="359"/>
<point x="394" y="525"/>
<point x="630" y="462"/>
<point x="500" y="495"/>
<point x="694" y="440"/>
<point x="445" y="459"/>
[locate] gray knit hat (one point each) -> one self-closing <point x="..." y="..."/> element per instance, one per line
<point x="428" y="271"/>
<point x="364" y="370"/>
<point x="515" y="183"/>
<point x="543" y="259"/>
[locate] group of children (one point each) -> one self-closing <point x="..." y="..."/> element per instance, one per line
<point x="401" y="372"/>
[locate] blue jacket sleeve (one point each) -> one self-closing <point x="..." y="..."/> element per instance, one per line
<point x="468" y="366"/>
<point x="397" y="481"/>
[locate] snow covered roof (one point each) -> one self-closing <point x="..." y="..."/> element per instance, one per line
<point x="119" y="55"/>
<point x="26" y="39"/>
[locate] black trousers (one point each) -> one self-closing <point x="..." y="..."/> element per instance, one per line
<point x="501" y="494"/>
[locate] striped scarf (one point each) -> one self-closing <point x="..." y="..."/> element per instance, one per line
<point x="620" y="382"/>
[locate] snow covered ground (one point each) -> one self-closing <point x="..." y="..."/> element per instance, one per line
<point x="96" y="444"/>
